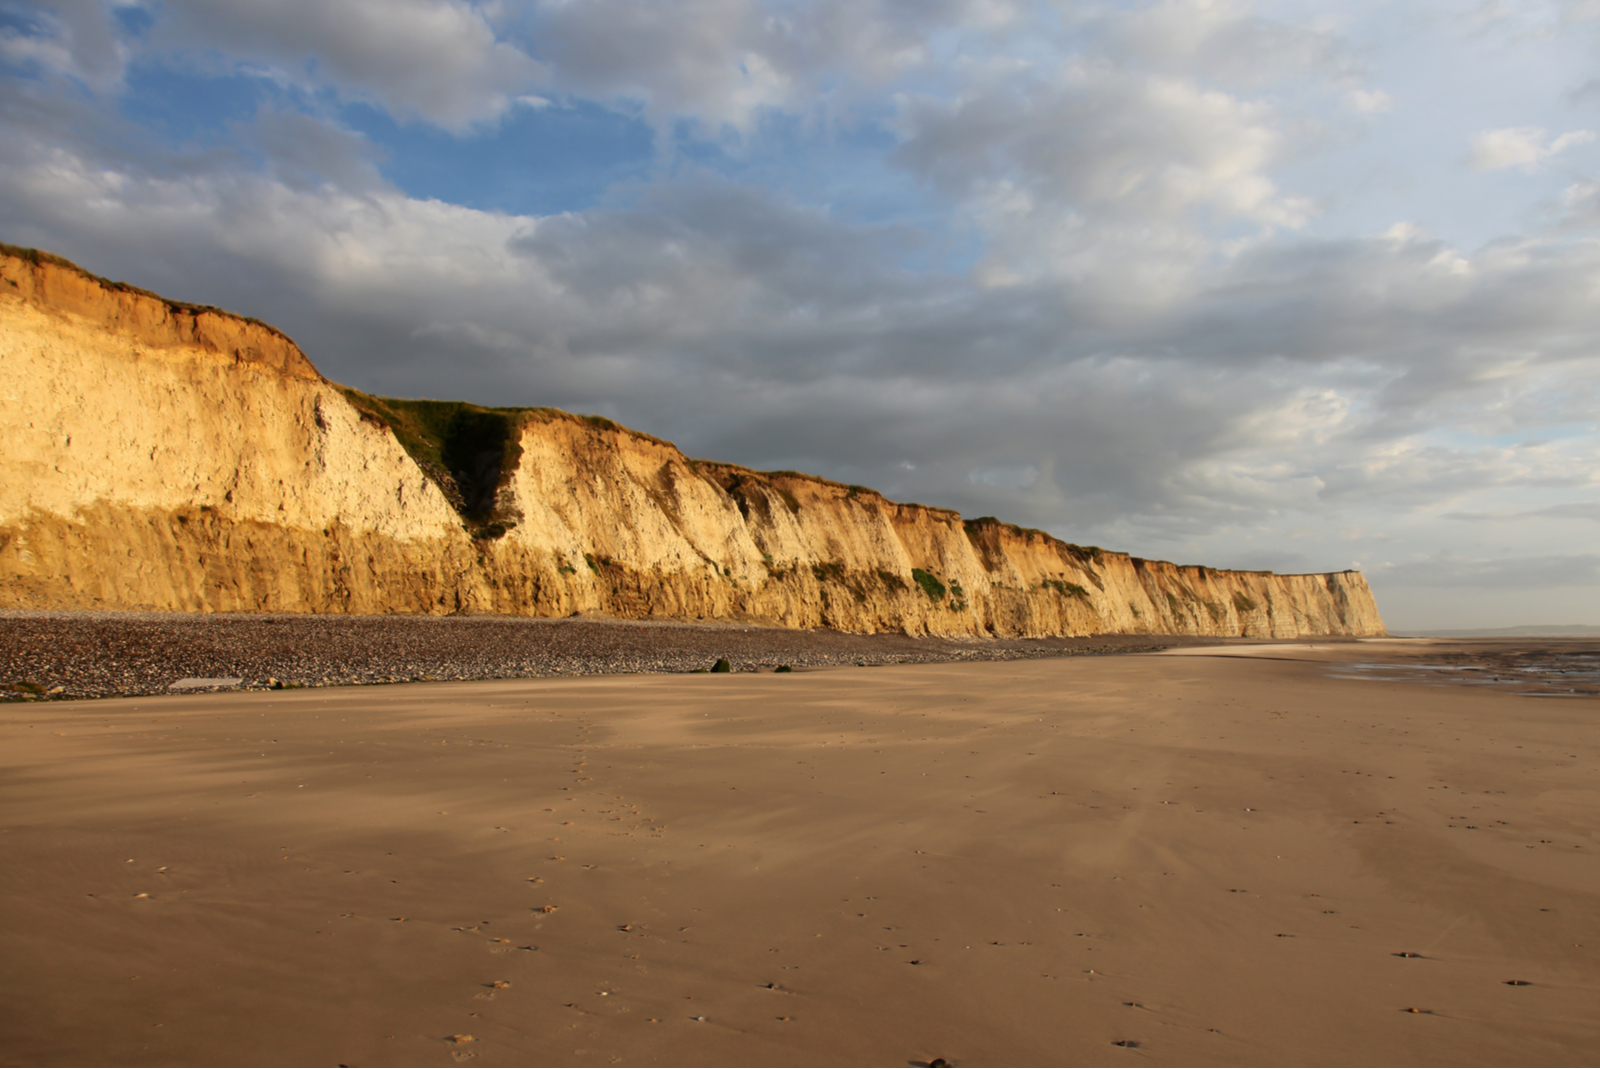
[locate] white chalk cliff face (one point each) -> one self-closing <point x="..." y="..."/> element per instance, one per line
<point x="159" y="456"/>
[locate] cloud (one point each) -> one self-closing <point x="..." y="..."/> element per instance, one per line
<point x="1571" y="510"/>
<point x="67" y="38"/>
<point x="304" y="151"/>
<point x="1370" y="101"/>
<point x="1220" y="41"/>
<point x="723" y="64"/>
<point x="1515" y="573"/>
<point x="1527" y="147"/>
<point x="437" y="60"/>
<point x="1095" y="136"/>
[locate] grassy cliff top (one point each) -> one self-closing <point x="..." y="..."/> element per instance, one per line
<point x="41" y="257"/>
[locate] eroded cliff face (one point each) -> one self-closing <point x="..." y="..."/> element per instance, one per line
<point x="160" y="456"/>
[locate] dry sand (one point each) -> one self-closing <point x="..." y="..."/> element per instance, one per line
<point x="1211" y="860"/>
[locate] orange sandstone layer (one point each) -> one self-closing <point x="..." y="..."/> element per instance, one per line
<point x="156" y="455"/>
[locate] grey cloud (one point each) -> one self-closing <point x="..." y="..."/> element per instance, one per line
<point x="724" y="61"/>
<point x="1572" y="510"/>
<point x="1098" y="135"/>
<point x="741" y="250"/>
<point x="305" y="152"/>
<point x="1517" y="573"/>
<point x="440" y="61"/>
<point x="69" y="37"/>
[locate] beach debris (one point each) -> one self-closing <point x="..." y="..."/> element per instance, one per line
<point x="1517" y="983"/>
<point x="1405" y="954"/>
<point x="1129" y="1043"/>
<point x="498" y="984"/>
<point x="461" y="1037"/>
<point x="544" y="909"/>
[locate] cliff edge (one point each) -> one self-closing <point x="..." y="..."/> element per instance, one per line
<point x="159" y="455"/>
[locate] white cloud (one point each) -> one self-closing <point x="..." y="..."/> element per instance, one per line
<point x="1369" y="101"/>
<point x="1527" y="147"/>
<point x="1222" y="41"/>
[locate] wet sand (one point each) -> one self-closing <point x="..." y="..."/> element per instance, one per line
<point x="1205" y="859"/>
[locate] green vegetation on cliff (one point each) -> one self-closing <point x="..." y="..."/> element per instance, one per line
<point x="468" y="450"/>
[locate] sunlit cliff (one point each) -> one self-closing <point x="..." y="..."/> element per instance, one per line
<point x="155" y="455"/>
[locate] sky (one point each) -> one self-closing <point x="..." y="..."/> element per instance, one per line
<point x="1300" y="286"/>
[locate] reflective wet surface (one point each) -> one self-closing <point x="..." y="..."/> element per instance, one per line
<point x="1548" y="669"/>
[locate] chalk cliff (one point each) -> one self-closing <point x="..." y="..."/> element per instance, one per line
<point x="157" y="455"/>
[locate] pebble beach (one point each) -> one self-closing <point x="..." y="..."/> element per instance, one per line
<point x="107" y="654"/>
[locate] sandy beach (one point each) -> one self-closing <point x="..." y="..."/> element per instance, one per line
<point x="1175" y="858"/>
